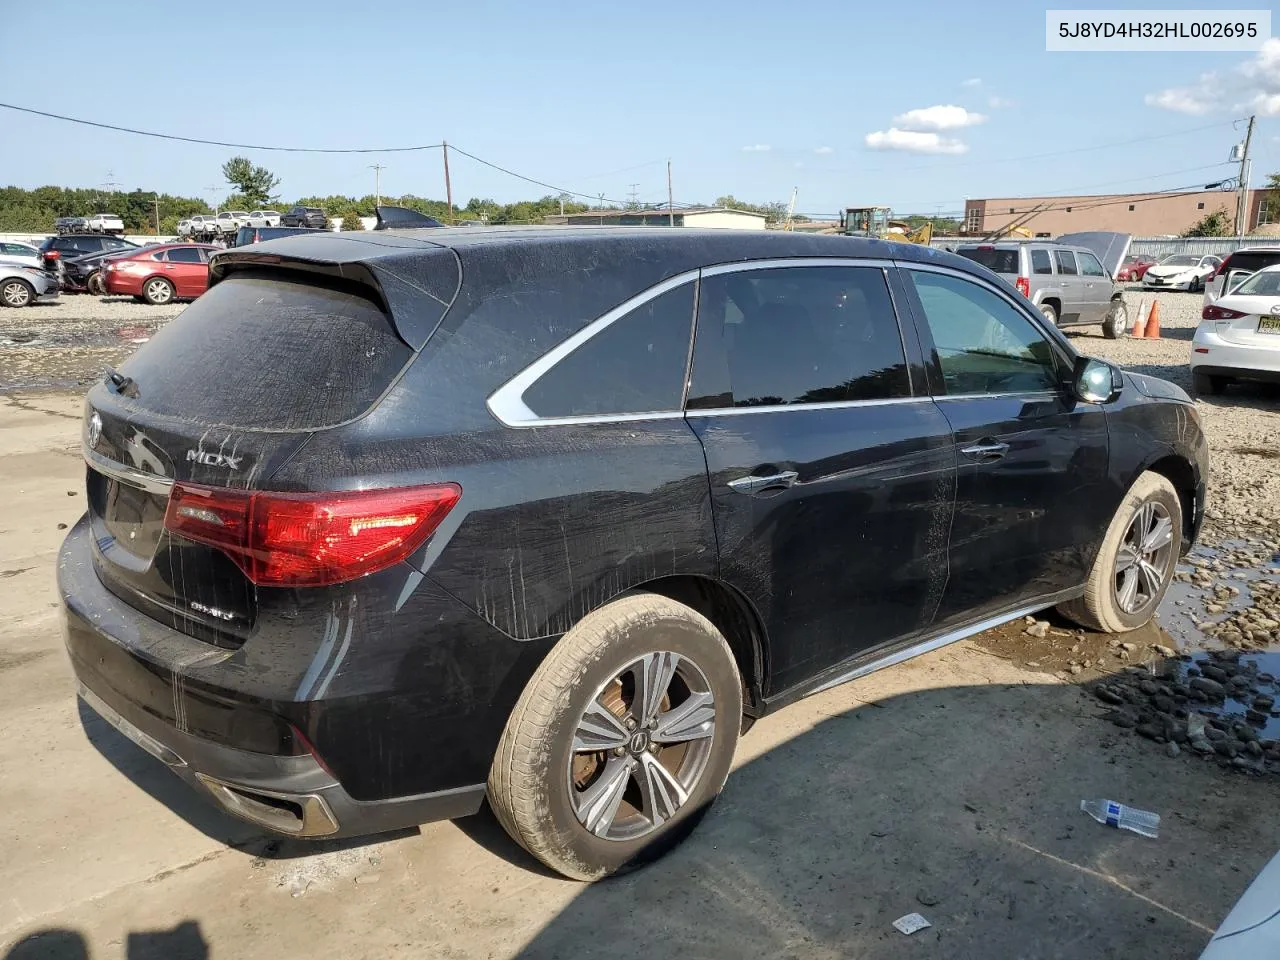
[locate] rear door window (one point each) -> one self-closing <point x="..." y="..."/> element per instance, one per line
<point x="1040" y="262"/>
<point x="1066" y="262"/>
<point x="634" y="365"/>
<point x="796" y="335"/>
<point x="259" y="351"/>
<point x="995" y="259"/>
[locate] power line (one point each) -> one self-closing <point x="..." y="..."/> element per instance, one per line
<point x="214" y="143"/>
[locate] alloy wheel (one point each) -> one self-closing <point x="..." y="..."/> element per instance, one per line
<point x="17" y="294"/>
<point x="1145" y="557"/>
<point x="159" y="291"/>
<point x="641" y="746"/>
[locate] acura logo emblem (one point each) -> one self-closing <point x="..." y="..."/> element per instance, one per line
<point x="95" y="430"/>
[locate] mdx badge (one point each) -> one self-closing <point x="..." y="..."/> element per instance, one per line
<point x="211" y="458"/>
<point x="95" y="430"/>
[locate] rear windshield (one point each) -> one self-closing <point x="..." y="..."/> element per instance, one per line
<point x="261" y="352"/>
<point x="994" y="259"/>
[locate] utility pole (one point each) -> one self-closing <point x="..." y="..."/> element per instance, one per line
<point x="631" y="197"/>
<point x="448" y="184"/>
<point x="156" y="201"/>
<point x="671" y="204"/>
<point x="213" y="192"/>
<point x="1242" y="194"/>
<point x="377" y="169"/>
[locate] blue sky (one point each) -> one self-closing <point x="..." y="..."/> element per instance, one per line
<point x="751" y="99"/>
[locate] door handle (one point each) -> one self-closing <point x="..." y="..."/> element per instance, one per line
<point x="755" y="484"/>
<point x="985" y="450"/>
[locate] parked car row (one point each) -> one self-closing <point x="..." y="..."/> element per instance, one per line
<point x="98" y="223"/>
<point x="226" y="223"/>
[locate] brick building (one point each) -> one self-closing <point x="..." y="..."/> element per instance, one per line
<point x="1139" y="214"/>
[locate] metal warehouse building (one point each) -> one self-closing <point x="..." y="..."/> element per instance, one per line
<point x="1139" y="214"/>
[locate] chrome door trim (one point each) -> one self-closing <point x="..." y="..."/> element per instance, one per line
<point x="785" y="407"/>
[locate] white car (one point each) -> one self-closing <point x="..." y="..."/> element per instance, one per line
<point x="1239" y="335"/>
<point x="229" y="221"/>
<point x="20" y="254"/>
<point x="104" y="223"/>
<point x="1252" y="928"/>
<point x="200" y="225"/>
<point x="1238" y="265"/>
<point x="1181" y="271"/>
<point x="263" y="218"/>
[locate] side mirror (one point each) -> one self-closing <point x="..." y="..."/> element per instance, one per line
<point x="1095" y="381"/>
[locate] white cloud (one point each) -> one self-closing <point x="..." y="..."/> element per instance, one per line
<point x="972" y="82"/>
<point x="913" y="141"/>
<point x="999" y="103"/>
<point x="940" y="117"/>
<point x="757" y="148"/>
<point x="823" y="150"/>
<point x="1252" y="85"/>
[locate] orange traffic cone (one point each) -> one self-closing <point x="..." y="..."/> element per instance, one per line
<point x="1140" y="322"/>
<point x="1153" y="322"/>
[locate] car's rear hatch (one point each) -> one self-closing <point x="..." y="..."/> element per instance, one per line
<point x="221" y="397"/>
<point x="1238" y="267"/>
<point x="997" y="259"/>
<point x="1110" y="248"/>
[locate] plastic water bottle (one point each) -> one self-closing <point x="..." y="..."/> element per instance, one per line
<point x="1125" y="818"/>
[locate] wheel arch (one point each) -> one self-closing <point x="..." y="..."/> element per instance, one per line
<point x="1179" y="472"/>
<point x="735" y="617"/>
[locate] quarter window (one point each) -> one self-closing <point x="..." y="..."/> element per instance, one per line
<point x="635" y="365"/>
<point x="1089" y="265"/>
<point x="184" y="255"/>
<point x="1066" y="261"/>
<point x="796" y="335"/>
<point x="984" y="344"/>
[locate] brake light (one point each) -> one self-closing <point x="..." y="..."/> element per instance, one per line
<point x="52" y="255"/>
<point x="1024" y="286"/>
<point x="1221" y="313"/>
<point x="310" y="539"/>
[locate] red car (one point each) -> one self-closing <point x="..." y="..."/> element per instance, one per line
<point x="173" y="271"/>
<point x="1134" y="267"/>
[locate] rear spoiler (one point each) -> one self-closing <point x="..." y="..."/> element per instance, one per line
<point x="402" y="218"/>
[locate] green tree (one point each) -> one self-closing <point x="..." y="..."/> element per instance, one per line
<point x="1215" y="224"/>
<point x="351" y="220"/>
<point x="257" y="185"/>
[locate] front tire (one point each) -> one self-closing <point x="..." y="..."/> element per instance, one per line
<point x="621" y="740"/>
<point x="158" y="291"/>
<point x="16" y="293"/>
<point x="1206" y="385"/>
<point x="95" y="285"/>
<point x="1135" y="564"/>
<point x="1116" y="324"/>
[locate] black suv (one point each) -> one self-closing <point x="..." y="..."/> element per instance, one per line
<point x="78" y="245"/>
<point x="378" y="527"/>
<point x="305" y="217"/>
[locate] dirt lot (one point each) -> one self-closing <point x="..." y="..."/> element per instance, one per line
<point x="949" y="785"/>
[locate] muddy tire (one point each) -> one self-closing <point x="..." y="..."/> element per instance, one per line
<point x="96" y="285"/>
<point x="1116" y="323"/>
<point x="1135" y="564"/>
<point x="16" y="293"/>
<point x="158" y="291"/>
<point x="621" y="740"/>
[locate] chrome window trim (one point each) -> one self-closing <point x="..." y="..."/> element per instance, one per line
<point x="150" y="482"/>
<point x="785" y="407"/>
<point x="507" y="402"/>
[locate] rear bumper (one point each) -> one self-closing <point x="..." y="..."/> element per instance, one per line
<point x="1227" y="359"/>
<point x="145" y="679"/>
<point x="122" y="284"/>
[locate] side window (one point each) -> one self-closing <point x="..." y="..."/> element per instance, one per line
<point x="984" y="345"/>
<point x="184" y="255"/>
<point x="796" y="335"/>
<point x="635" y="365"/>
<point x="1089" y="265"/>
<point x="1066" y="261"/>
<point x="1040" y="262"/>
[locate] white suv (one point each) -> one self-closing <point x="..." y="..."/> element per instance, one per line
<point x="229" y="221"/>
<point x="104" y="223"/>
<point x="263" y="218"/>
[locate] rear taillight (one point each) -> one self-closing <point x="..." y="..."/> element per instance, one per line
<point x="52" y="255"/>
<point x="1221" y="313"/>
<point x="310" y="539"/>
<point x="1024" y="286"/>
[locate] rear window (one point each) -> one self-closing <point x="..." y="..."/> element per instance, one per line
<point x="263" y="352"/>
<point x="1253" y="259"/>
<point x="995" y="259"/>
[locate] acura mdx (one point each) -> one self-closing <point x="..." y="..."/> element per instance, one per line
<point x="381" y="527"/>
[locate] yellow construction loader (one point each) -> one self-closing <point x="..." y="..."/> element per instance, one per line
<point x="877" y="222"/>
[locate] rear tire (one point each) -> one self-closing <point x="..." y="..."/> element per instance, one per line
<point x="1206" y="385"/>
<point x="17" y="293"/>
<point x="551" y="790"/>
<point x="1116" y="323"/>
<point x="95" y="285"/>
<point x="1135" y="564"/>
<point x="1049" y="312"/>
<point x="158" y="291"/>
